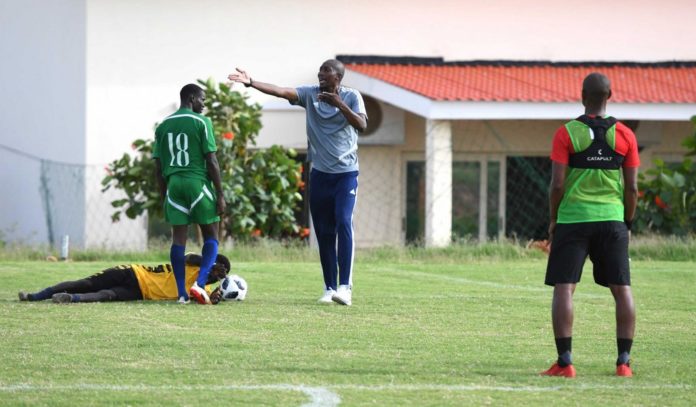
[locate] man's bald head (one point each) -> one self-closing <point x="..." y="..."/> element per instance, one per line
<point x="596" y="89"/>
<point x="337" y="66"/>
<point x="596" y="83"/>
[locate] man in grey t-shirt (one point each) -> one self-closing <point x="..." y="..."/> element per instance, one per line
<point x="335" y="114"/>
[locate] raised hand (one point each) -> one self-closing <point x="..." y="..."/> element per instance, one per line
<point x="241" y="77"/>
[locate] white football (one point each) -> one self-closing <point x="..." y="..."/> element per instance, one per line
<point x="234" y="288"/>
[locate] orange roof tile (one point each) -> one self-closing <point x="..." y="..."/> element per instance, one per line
<point x="517" y="82"/>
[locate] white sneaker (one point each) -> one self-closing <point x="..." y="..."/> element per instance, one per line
<point x="183" y="300"/>
<point x="326" y="298"/>
<point x="343" y="295"/>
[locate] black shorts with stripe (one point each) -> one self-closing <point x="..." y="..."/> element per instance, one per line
<point x="606" y="243"/>
<point x="119" y="279"/>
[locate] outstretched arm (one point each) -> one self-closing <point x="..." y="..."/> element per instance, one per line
<point x="244" y="78"/>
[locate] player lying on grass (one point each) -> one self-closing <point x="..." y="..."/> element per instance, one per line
<point x="132" y="282"/>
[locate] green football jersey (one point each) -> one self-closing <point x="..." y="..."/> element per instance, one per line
<point x="182" y="141"/>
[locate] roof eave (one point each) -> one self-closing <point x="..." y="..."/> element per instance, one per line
<point x="477" y="110"/>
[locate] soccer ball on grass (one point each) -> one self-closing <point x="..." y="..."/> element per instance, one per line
<point x="234" y="288"/>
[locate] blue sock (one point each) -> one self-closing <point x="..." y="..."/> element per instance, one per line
<point x="209" y="254"/>
<point x="76" y="298"/>
<point x="44" y="294"/>
<point x="177" y="256"/>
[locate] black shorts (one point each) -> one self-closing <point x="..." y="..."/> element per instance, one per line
<point x="605" y="242"/>
<point x="121" y="280"/>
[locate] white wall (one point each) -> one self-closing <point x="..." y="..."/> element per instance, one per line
<point x="107" y="70"/>
<point x="42" y="111"/>
<point x="136" y="72"/>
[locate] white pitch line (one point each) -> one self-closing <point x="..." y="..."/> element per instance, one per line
<point x="523" y="389"/>
<point x="319" y="396"/>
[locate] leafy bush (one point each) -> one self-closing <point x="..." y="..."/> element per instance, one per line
<point x="261" y="187"/>
<point x="667" y="197"/>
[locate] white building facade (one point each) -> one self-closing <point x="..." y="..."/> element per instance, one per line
<point x="84" y="78"/>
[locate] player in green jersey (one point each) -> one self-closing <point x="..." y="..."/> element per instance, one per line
<point x="188" y="175"/>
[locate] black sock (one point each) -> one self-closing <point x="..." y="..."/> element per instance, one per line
<point x="624" y="347"/>
<point x="564" y="349"/>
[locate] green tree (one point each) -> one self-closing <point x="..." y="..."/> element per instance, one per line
<point x="261" y="186"/>
<point x="667" y="197"/>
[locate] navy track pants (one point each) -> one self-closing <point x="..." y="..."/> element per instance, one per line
<point x="331" y="201"/>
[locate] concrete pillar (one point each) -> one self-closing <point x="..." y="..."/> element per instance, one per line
<point x="502" y="198"/>
<point x="483" y="202"/>
<point x="438" y="183"/>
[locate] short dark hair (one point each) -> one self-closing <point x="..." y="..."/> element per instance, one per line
<point x="224" y="262"/>
<point x="190" y="90"/>
<point x="596" y="87"/>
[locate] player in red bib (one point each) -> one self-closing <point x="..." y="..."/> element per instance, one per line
<point x="592" y="202"/>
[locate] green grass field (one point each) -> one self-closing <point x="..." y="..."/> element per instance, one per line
<point x="421" y="333"/>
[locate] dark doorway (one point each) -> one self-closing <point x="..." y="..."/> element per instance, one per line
<point x="527" y="201"/>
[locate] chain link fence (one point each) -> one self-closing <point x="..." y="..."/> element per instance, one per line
<point x="65" y="199"/>
<point x="390" y="207"/>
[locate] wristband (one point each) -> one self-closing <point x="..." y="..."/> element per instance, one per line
<point x="629" y="224"/>
<point x="248" y="85"/>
